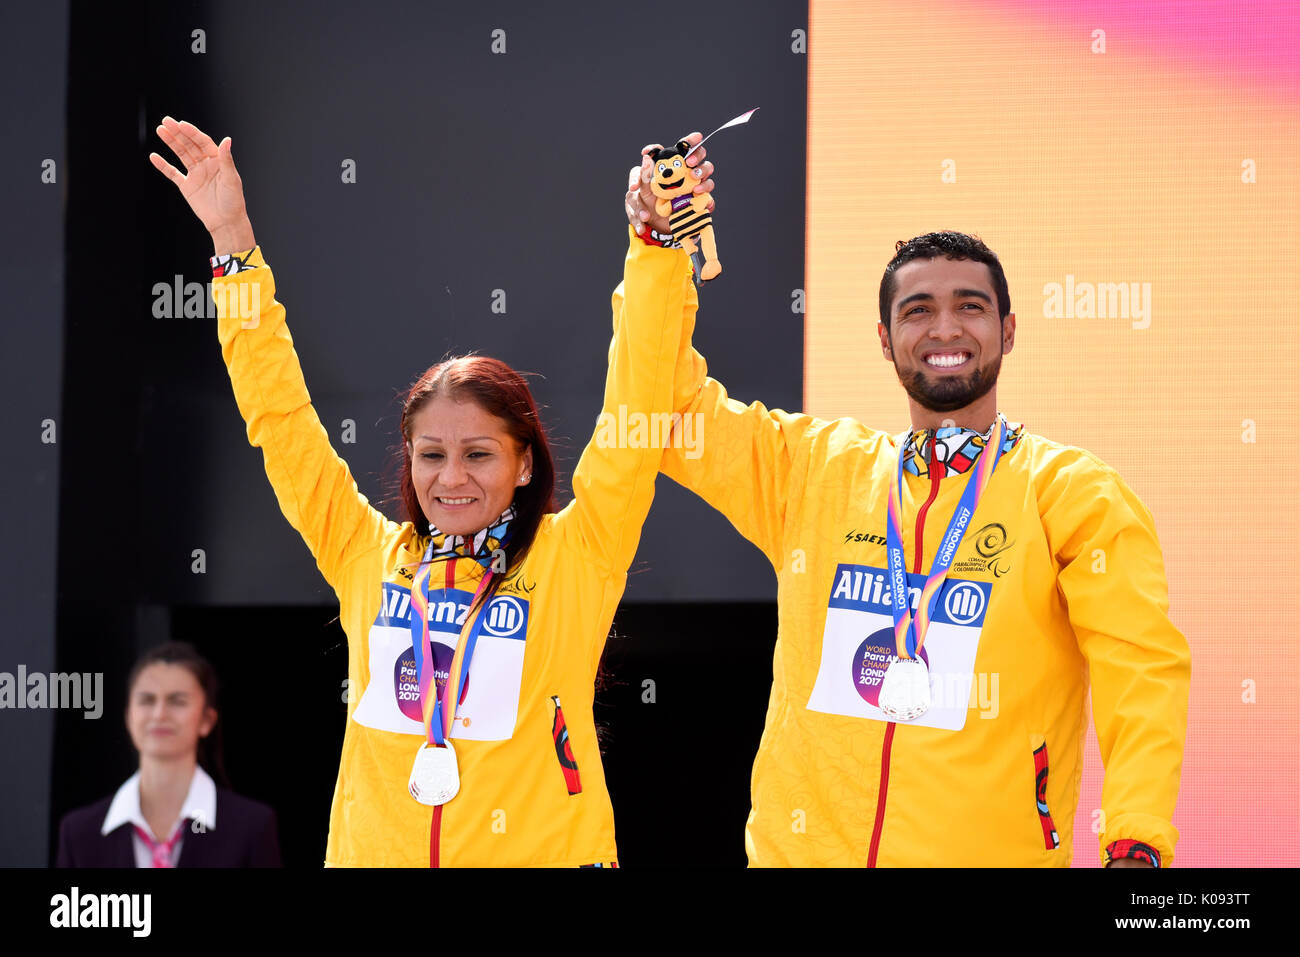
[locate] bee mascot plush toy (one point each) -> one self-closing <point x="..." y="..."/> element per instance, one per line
<point x="688" y="213"/>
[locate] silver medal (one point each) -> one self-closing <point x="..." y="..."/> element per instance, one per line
<point x="435" y="778"/>
<point x="905" y="690"/>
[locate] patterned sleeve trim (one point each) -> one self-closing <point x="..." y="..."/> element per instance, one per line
<point x="652" y="237"/>
<point x="1134" y="849"/>
<point x="227" y="264"/>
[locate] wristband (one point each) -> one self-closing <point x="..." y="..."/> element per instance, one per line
<point x="1134" y="849"/>
<point x="228" y="264"/>
<point x="652" y="237"/>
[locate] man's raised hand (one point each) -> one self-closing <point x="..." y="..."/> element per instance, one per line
<point x="639" y="201"/>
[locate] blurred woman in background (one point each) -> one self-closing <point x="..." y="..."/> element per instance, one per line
<point x="171" y="813"/>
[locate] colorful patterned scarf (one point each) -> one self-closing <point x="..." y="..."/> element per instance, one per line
<point x="480" y="547"/>
<point x="962" y="445"/>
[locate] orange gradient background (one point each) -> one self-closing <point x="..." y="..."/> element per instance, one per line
<point x="1116" y="166"/>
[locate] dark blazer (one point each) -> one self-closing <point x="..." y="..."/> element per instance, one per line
<point x="245" y="836"/>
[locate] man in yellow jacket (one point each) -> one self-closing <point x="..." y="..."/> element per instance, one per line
<point x="1032" y="571"/>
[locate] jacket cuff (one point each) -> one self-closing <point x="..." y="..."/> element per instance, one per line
<point x="227" y="264"/>
<point x="1134" y="849"/>
<point x="656" y="240"/>
<point x="1136" y="834"/>
<point x="652" y="237"/>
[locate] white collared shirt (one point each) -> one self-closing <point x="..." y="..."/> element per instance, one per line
<point x="200" y="807"/>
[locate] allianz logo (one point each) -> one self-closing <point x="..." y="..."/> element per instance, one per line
<point x="505" y="617"/>
<point x="963" y="602"/>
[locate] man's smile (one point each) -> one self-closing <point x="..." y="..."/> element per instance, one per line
<point x="955" y="359"/>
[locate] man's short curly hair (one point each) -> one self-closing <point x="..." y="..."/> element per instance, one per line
<point x="951" y="245"/>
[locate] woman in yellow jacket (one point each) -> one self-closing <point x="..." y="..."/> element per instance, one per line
<point x="470" y="622"/>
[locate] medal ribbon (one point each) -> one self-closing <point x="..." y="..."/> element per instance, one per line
<point x="909" y="631"/>
<point x="436" y="699"/>
<point x="439" y="715"/>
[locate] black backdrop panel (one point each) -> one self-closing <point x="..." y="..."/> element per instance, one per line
<point x="481" y="178"/>
<point x="33" y="189"/>
<point x="476" y="172"/>
<point x="660" y="719"/>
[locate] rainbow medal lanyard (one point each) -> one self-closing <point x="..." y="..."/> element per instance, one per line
<point x="435" y="777"/>
<point x="905" y="689"/>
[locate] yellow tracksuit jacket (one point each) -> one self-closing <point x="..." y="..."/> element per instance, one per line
<point x="1058" y="580"/>
<point x="547" y="624"/>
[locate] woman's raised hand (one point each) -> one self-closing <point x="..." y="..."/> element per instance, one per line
<point x="210" y="184"/>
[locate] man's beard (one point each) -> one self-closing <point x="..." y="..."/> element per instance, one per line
<point x="948" y="393"/>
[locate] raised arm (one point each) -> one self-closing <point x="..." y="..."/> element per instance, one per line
<point x="744" y="454"/>
<point x="739" y="458"/>
<point x="613" y="484"/>
<point x="313" y="485"/>
<point x="1113" y="579"/>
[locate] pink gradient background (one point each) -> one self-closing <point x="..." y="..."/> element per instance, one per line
<point x="1122" y="166"/>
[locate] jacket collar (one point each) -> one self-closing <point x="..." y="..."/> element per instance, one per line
<point x="200" y="804"/>
<point x="478" y="546"/>
<point x="961" y="446"/>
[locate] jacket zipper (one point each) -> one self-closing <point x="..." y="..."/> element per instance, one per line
<point x="435" y="826"/>
<point x="434" y="830"/>
<point x="936" y="473"/>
